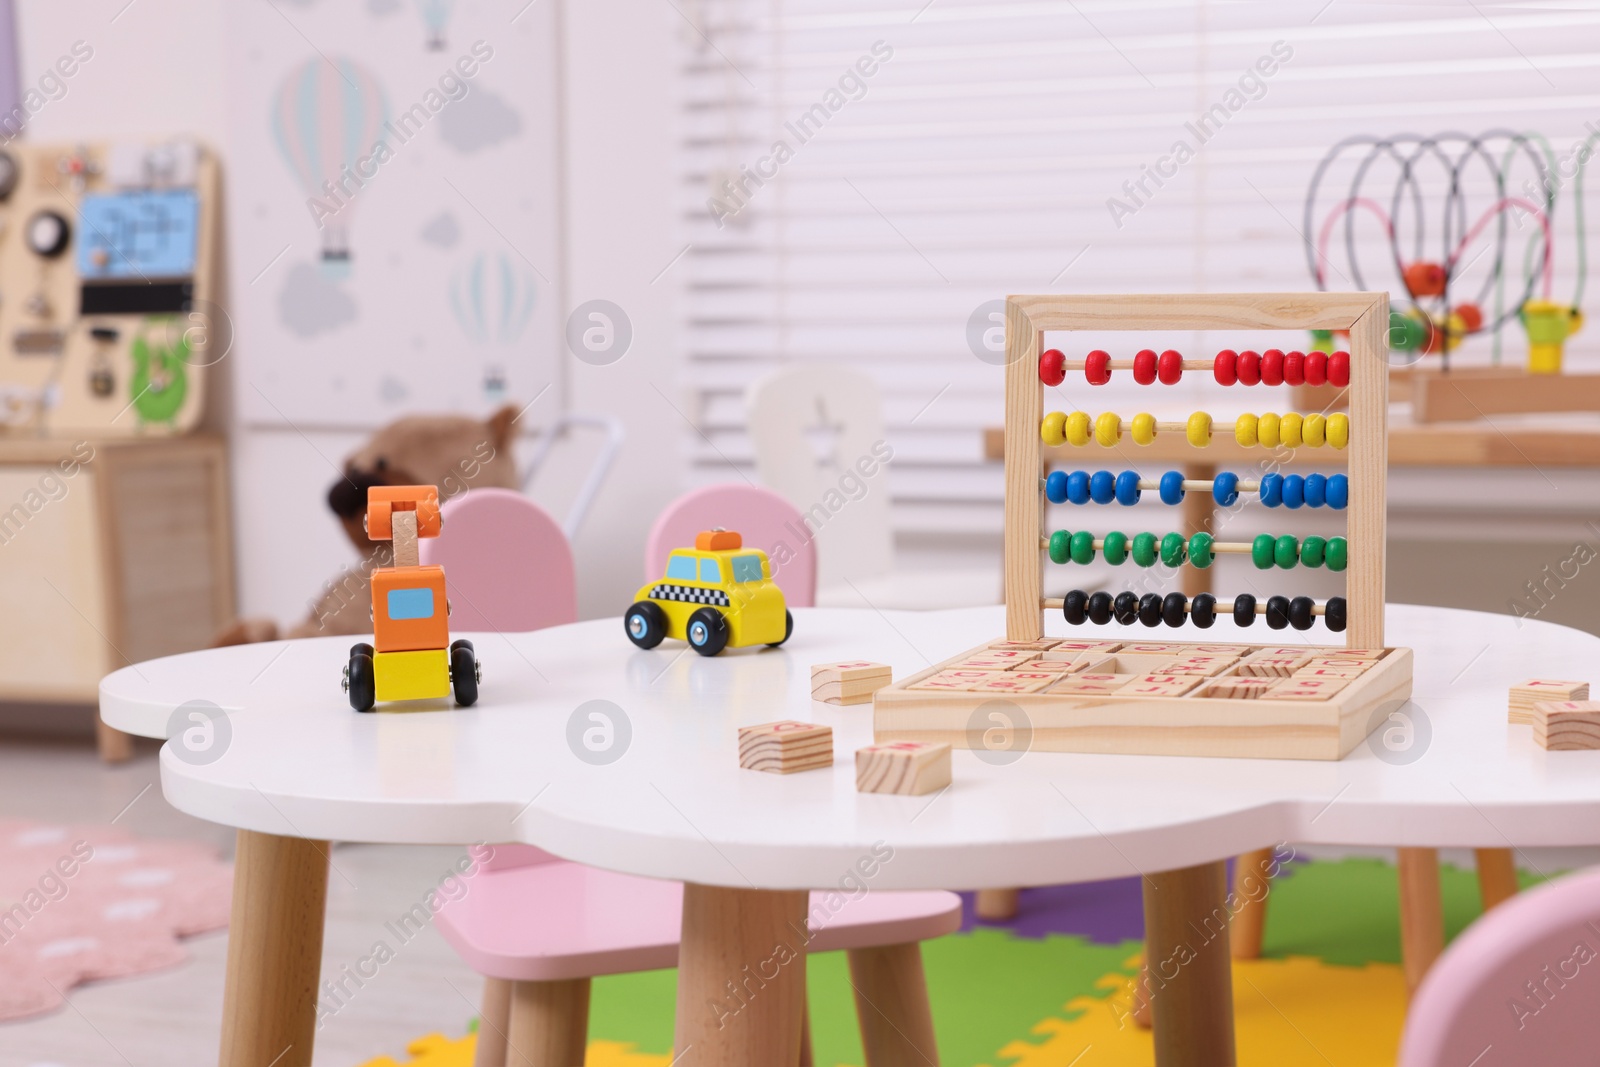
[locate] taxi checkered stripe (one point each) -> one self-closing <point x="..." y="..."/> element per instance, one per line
<point x="689" y="594"/>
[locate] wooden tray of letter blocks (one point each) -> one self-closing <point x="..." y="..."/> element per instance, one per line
<point x="1159" y="698"/>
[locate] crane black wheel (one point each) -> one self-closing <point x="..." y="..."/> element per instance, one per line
<point x="464" y="673"/>
<point x="646" y="624"/>
<point x="707" y="631"/>
<point x="359" y="680"/>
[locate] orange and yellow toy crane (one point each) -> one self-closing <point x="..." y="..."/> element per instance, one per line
<point x="412" y="656"/>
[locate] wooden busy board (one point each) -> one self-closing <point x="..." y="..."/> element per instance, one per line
<point x="1238" y="692"/>
<point x="1152" y="697"/>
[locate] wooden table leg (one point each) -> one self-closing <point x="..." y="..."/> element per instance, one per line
<point x="1252" y="874"/>
<point x="892" y="1006"/>
<point x="1497" y="876"/>
<point x="114" y="745"/>
<point x="1186" y="948"/>
<point x="549" y="1024"/>
<point x="741" y="977"/>
<point x="1421" y="913"/>
<point x="996" y="905"/>
<point x="1199" y="512"/>
<point x="269" y="1005"/>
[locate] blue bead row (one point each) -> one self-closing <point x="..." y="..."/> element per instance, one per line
<point x="1277" y="490"/>
<point x="1311" y="490"/>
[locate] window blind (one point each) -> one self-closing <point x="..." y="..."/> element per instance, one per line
<point x="838" y="215"/>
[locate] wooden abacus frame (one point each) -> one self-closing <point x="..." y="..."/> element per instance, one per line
<point x="1188" y="722"/>
<point x="1365" y="315"/>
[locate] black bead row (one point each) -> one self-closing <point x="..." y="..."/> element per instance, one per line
<point x="1153" y="609"/>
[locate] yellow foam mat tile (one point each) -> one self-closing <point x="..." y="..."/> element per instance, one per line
<point x="436" y="1050"/>
<point x="1294" y="1012"/>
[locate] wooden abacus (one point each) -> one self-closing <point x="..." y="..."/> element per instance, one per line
<point x="1158" y="697"/>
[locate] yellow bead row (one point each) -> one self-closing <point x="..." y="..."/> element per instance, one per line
<point x="1268" y="430"/>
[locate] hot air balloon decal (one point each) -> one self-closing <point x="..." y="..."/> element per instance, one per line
<point x="328" y="117"/>
<point x="435" y="13"/>
<point x="492" y="296"/>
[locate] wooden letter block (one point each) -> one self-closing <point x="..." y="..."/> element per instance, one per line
<point x="1159" y="685"/>
<point x="1044" y="644"/>
<point x="1234" y="651"/>
<point x="1084" y="684"/>
<point x="1066" y="647"/>
<point x="907" y="768"/>
<point x="785" y="747"/>
<point x="1354" y="666"/>
<point x="960" y="680"/>
<point x="1298" y="688"/>
<point x="1567" y="725"/>
<point x="997" y="659"/>
<point x="1234" y="687"/>
<point x="849" y="682"/>
<point x="1016" y="682"/>
<point x="1311" y="670"/>
<point x="1152" y="648"/>
<point x="1271" y="666"/>
<point x="1200" y="665"/>
<point x="1534" y="690"/>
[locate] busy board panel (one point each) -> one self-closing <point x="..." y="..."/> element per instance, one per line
<point x="109" y="316"/>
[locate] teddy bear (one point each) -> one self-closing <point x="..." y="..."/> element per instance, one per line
<point x="453" y="452"/>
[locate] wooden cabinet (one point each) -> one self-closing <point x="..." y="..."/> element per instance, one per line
<point x="111" y="552"/>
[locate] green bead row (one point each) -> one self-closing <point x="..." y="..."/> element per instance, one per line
<point x="1267" y="552"/>
<point x="1171" y="549"/>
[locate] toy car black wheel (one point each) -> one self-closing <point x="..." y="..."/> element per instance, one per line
<point x="362" y="647"/>
<point x="462" y="643"/>
<point x="464" y="673"/>
<point x="707" y="631"/>
<point x="646" y="624"/>
<point x="359" y="680"/>
<point x="788" y="629"/>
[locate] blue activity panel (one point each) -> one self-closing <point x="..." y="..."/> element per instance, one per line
<point x="138" y="235"/>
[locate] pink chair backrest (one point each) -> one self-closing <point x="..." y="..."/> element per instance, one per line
<point x="1524" y="980"/>
<point x="766" y="520"/>
<point x="507" y="564"/>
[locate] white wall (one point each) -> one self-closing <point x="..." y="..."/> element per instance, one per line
<point x="158" y="68"/>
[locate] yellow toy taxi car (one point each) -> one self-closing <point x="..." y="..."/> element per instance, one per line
<point x="714" y="595"/>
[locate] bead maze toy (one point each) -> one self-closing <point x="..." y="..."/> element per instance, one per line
<point x="1460" y="213"/>
<point x="412" y="656"/>
<point x="715" y="595"/>
<point x="1226" y="698"/>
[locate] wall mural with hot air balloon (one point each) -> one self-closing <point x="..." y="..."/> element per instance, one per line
<point x="403" y="170"/>
<point x="328" y="120"/>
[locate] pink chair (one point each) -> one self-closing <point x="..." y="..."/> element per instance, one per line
<point x="508" y="563"/>
<point x="766" y="520"/>
<point x="1519" y="986"/>
<point x="539" y="928"/>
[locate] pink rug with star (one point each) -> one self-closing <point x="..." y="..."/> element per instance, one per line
<point x="82" y="903"/>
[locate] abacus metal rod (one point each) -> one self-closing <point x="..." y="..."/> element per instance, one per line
<point x="1053" y="603"/>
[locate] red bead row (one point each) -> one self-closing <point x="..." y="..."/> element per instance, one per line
<point x="1276" y="367"/>
<point x="1272" y="367"/>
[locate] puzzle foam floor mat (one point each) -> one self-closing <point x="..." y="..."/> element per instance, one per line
<point x="1051" y="988"/>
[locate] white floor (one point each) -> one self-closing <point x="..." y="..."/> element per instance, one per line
<point x="173" y="1019"/>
